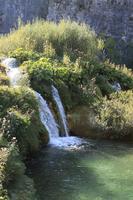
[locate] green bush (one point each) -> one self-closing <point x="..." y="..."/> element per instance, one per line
<point x="14" y="166"/>
<point x="105" y="74"/>
<point x="14" y="184"/>
<point x="4" y="80"/>
<point x="2" y="69"/>
<point x="19" y="123"/>
<point x="3" y="159"/>
<point x="65" y="37"/>
<point x="117" y="73"/>
<point x="19" y="117"/>
<point x="66" y="77"/>
<point x="115" y="115"/>
<point x="83" y="82"/>
<point x="22" y="55"/>
<point x="104" y="85"/>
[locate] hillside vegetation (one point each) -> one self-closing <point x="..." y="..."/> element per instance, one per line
<point x="21" y="135"/>
<point x="66" y="55"/>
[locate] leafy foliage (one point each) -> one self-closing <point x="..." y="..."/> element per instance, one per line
<point x="66" y="77"/>
<point x="21" y="133"/>
<point x="14" y="184"/>
<point x="19" y="118"/>
<point x="105" y="74"/>
<point x="64" y="55"/>
<point x="115" y="115"/>
<point x="64" y="37"/>
<point x="4" y="80"/>
<point x="22" y="55"/>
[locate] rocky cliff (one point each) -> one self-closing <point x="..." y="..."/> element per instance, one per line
<point x="27" y="10"/>
<point x="113" y="17"/>
<point x="110" y="17"/>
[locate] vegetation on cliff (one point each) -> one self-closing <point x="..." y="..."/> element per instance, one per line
<point x="66" y="37"/>
<point x="21" y="134"/>
<point x="66" y="55"/>
<point x="114" y="115"/>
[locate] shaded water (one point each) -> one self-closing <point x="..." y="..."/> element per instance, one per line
<point x="104" y="172"/>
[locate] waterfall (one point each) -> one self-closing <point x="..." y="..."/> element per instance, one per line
<point x="61" y="110"/>
<point x="12" y="70"/>
<point x="47" y="117"/>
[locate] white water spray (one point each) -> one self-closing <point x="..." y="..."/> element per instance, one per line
<point x="12" y="71"/>
<point x="47" y="117"/>
<point x="61" y="110"/>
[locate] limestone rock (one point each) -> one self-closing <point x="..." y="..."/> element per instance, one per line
<point x="82" y="122"/>
<point x="113" y="17"/>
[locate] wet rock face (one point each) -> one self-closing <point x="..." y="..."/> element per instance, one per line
<point x="27" y="10"/>
<point x="112" y="17"/>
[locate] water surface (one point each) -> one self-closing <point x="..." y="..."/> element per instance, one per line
<point x="104" y="172"/>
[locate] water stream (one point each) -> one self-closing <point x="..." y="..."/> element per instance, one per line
<point x="47" y="118"/>
<point x="12" y="70"/>
<point x="61" y="110"/>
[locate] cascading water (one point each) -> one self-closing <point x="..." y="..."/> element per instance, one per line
<point x="12" y="71"/>
<point x="61" y="110"/>
<point x="47" y="117"/>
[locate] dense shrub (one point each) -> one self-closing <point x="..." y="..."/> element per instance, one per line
<point x="118" y="51"/>
<point x="104" y="85"/>
<point x="83" y="82"/>
<point x="21" y="133"/>
<point x="115" y="115"/>
<point x="22" y="55"/>
<point x="66" y="77"/>
<point x="117" y="73"/>
<point x="19" y="118"/>
<point x="4" y="80"/>
<point x="14" y="184"/>
<point x="2" y="69"/>
<point x="106" y="73"/>
<point x="64" y="37"/>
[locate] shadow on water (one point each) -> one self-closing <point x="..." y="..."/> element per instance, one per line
<point x="61" y="174"/>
